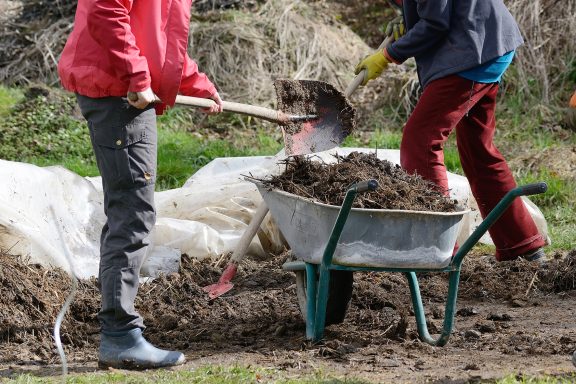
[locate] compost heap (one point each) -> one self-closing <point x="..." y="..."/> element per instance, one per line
<point x="328" y="183"/>
<point x="260" y="314"/>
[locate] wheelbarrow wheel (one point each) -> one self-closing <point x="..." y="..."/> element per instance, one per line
<point x="339" y="295"/>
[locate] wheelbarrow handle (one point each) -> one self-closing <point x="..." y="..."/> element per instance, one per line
<point x="497" y="211"/>
<point x="532" y="189"/>
<point x="366" y="185"/>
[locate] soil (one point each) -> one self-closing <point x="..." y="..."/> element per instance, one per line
<point x="513" y="317"/>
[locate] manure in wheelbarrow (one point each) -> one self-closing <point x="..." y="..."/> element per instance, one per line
<point x="328" y="183"/>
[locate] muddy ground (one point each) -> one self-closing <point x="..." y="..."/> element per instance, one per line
<point x="513" y="317"/>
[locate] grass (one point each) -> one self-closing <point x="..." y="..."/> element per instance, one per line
<point x="238" y="375"/>
<point x="558" y="205"/>
<point x="514" y="379"/>
<point x="8" y="98"/>
<point x="181" y="154"/>
<point x="201" y="375"/>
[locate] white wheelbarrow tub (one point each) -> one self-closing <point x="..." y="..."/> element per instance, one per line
<point x="379" y="238"/>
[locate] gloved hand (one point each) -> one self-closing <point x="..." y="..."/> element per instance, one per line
<point x="573" y="100"/>
<point x="141" y="100"/>
<point x="396" y="28"/>
<point x="374" y="65"/>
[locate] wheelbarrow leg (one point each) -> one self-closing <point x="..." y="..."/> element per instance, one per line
<point x="319" y="315"/>
<point x="449" y="312"/>
<point x="454" y="275"/>
<point x="311" y="294"/>
<point x="321" y="303"/>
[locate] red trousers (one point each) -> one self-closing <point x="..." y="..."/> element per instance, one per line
<point x="457" y="103"/>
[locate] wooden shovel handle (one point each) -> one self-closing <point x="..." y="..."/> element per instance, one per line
<point x="360" y="77"/>
<point x="229" y="106"/>
<point x="249" y="233"/>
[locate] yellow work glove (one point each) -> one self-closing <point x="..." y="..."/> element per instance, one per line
<point x="396" y="28"/>
<point x="374" y="65"/>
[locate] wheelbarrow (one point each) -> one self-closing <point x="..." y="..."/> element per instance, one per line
<point x="333" y="242"/>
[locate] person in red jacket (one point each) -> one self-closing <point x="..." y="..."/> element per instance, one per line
<point x="119" y="47"/>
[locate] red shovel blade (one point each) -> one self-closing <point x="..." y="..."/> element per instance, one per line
<point x="223" y="285"/>
<point x="218" y="289"/>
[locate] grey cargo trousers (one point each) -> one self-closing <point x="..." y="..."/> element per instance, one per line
<point x="124" y="140"/>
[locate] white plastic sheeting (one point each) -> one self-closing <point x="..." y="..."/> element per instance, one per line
<point x="204" y="219"/>
<point x="27" y="226"/>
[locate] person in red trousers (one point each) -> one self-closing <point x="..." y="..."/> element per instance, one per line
<point x="462" y="48"/>
<point x="117" y="48"/>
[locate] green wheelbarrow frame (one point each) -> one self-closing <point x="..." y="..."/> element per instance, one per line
<point x="318" y="288"/>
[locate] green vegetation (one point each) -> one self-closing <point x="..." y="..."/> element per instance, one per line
<point x="202" y="375"/>
<point x="185" y="145"/>
<point x="8" y="98"/>
<point x="237" y="375"/>
<point x="41" y="128"/>
<point x="513" y="379"/>
<point x="45" y="128"/>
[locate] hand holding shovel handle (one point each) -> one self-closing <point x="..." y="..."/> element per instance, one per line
<point x="359" y="79"/>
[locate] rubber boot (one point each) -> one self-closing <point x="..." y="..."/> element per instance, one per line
<point x="536" y="255"/>
<point x="130" y="350"/>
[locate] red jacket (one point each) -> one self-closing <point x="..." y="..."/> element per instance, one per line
<point x="118" y="46"/>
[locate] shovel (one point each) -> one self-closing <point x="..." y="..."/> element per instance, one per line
<point x="306" y="138"/>
<point x="314" y="117"/>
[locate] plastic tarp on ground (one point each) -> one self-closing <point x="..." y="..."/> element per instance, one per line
<point x="204" y="219"/>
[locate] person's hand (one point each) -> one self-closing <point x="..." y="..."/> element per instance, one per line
<point x="374" y="65"/>
<point x="573" y="100"/>
<point x="215" y="108"/>
<point x="396" y="28"/>
<point x="141" y="100"/>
